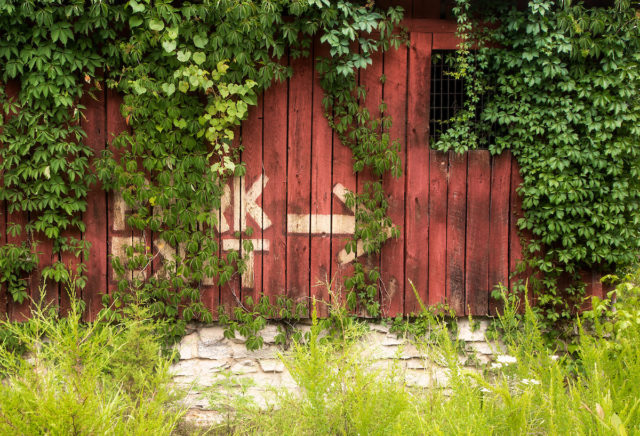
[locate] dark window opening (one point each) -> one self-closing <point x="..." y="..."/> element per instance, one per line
<point x="448" y="98"/>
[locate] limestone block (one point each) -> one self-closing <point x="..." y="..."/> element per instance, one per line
<point x="196" y="367"/>
<point x="381" y="352"/>
<point x="380" y="328"/>
<point x="264" y="380"/>
<point x="466" y="333"/>
<point x="286" y="381"/>
<point x="409" y="351"/>
<point x="439" y="377"/>
<point x="391" y="340"/>
<point x="203" y="418"/>
<point x="481" y="347"/>
<point x="417" y="364"/>
<point x="244" y="367"/>
<point x="271" y="365"/>
<point x="195" y="400"/>
<point x="266" y="352"/>
<point x="263" y="398"/>
<point x="188" y="347"/>
<point x="417" y="378"/>
<point x="269" y="334"/>
<point x="385" y="365"/>
<point x="211" y="335"/>
<point x="214" y="350"/>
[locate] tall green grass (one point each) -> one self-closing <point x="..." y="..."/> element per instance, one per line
<point x="595" y="391"/>
<point x="75" y="378"/>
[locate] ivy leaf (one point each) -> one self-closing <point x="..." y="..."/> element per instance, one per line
<point x="169" y="46"/>
<point x="200" y="41"/>
<point x="135" y="21"/>
<point x="199" y="57"/>
<point x="135" y="6"/>
<point x="183" y="86"/>
<point x="169" y="88"/>
<point x="184" y="55"/>
<point x="156" y="25"/>
<point x="172" y="32"/>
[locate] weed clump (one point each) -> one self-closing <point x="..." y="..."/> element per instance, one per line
<point x="528" y="389"/>
<point x="71" y="377"/>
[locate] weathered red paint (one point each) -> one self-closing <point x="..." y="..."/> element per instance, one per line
<point x="499" y="224"/>
<point x="274" y="196"/>
<point x="477" y="246"/>
<point x="393" y="253"/>
<point x="299" y="176"/>
<point x="456" y="231"/>
<point x="417" y="174"/>
<point x="321" y="191"/>
<point x="438" y="167"/>
<point x="457" y="214"/>
<point x="95" y="218"/>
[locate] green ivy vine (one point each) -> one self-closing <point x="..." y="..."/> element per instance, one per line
<point x="188" y="71"/>
<point x="49" y="60"/>
<point x="560" y="82"/>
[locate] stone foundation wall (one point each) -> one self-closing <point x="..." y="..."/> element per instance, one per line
<point x="211" y="363"/>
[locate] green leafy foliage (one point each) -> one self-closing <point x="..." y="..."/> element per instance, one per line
<point x="527" y="389"/>
<point x="189" y="78"/>
<point x="16" y="263"/>
<point x="560" y="83"/>
<point x="251" y="317"/>
<point x="189" y="73"/>
<point x="49" y="61"/>
<point x="64" y="376"/>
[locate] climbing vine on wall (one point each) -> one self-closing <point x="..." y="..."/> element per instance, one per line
<point x="49" y="59"/>
<point x="561" y="85"/>
<point x="188" y="71"/>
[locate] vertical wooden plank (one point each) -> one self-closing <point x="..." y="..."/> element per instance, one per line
<point x="299" y="177"/>
<point x="72" y="262"/>
<point x="119" y="235"/>
<point x="321" y="193"/>
<point x="499" y="225"/>
<point x="456" y="231"/>
<point x="417" y="187"/>
<point x="95" y="217"/>
<point x="593" y="288"/>
<point x="516" y="238"/>
<point x="251" y="204"/>
<point x="477" y="250"/>
<point x="515" y="245"/>
<point x="392" y="256"/>
<point x="4" y="294"/>
<point x="15" y="312"/>
<point x="370" y="80"/>
<point x="343" y="179"/>
<point x="19" y="312"/>
<point x="597" y="288"/>
<point x="209" y="288"/>
<point x="46" y="258"/>
<point x="230" y="291"/>
<point x="438" y="226"/>
<point x="274" y="195"/>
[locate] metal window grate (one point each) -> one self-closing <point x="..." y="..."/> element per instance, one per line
<point x="447" y="97"/>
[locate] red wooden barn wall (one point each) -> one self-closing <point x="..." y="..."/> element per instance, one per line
<point x="457" y="213"/>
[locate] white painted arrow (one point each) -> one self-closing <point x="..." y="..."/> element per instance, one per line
<point x="319" y="223"/>
<point x="328" y="224"/>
